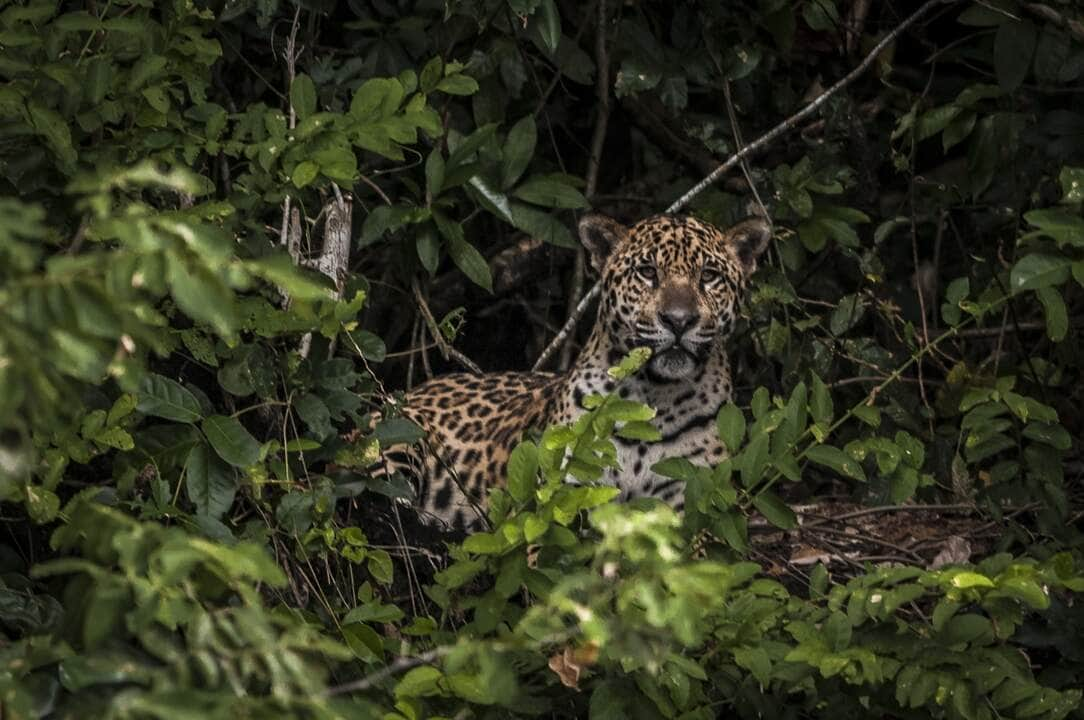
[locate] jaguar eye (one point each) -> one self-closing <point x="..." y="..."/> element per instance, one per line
<point x="648" y="272"/>
<point x="710" y="275"/>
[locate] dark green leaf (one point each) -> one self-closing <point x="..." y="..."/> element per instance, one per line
<point x="303" y="96"/>
<point x="550" y="191"/>
<point x="1039" y="270"/>
<point x="165" y="398"/>
<point x="730" y="424"/>
<point x="231" y="440"/>
<point x="836" y="459"/>
<point x="210" y="483"/>
<point x="1014" y="48"/>
<point x="775" y="510"/>
<point x="518" y="151"/>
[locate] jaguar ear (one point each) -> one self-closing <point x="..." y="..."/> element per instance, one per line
<point x="750" y="238"/>
<point x="600" y="235"/>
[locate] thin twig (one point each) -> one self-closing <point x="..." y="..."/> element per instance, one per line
<point x="291" y="72"/>
<point x="753" y="147"/>
<point x="809" y="109"/>
<point x="446" y="350"/>
<point x="568" y="327"/>
<point x="594" y="160"/>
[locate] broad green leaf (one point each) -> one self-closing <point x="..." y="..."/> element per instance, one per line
<point x="549" y="24"/>
<point x="550" y="192"/>
<point x="428" y="247"/>
<point x="315" y="414"/>
<point x="391" y="431"/>
<point x="1014" y="48"/>
<point x="210" y="483"/>
<point x="202" y="295"/>
<point x="303" y="96"/>
<point x="1066" y="228"/>
<point x="304" y="173"/>
<point x="1038" y="270"/>
<point x="458" y="84"/>
<point x="465" y="256"/>
<point x="754" y="459"/>
<point x="775" y="510"/>
<point x="376" y="98"/>
<point x="523" y="471"/>
<point x="541" y="225"/>
<point x="494" y="201"/>
<point x="419" y="682"/>
<point x="165" y="398"/>
<point x="1057" y="315"/>
<point x="970" y="579"/>
<point x="678" y="468"/>
<point x="836" y="459"/>
<point x="231" y="440"/>
<point x="730" y="424"/>
<point x="820" y="403"/>
<point x="434" y="173"/>
<point x="518" y="151"/>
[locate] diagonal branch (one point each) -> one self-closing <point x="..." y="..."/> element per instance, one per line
<point x="755" y="146"/>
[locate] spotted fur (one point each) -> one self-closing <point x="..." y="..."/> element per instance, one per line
<point x="669" y="283"/>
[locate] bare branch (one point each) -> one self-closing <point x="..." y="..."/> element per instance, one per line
<point x="758" y="144"/>
<point x="568" y="327"/>
<point x="438" y="337"/>
<point x="809" y="109"/>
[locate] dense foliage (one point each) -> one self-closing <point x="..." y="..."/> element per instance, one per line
<point x="191" y="365"/>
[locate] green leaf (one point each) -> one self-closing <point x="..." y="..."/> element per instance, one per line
<point x="754" y="459"/>
<point x="542" y="225"/>
<point x="836" y="459"/>
<point x="775" y="510"/>
<point x="518" y="151"/>
<point x="550" y="191"/>
<point x="315" y="414"/>
<point x="165" y="398"/>
<point x="465" y="256"/>
<point x="1064" y="227"/>
<point x="969" y="579"/>
<point x="820" y="403"/>
<point x="1039" y="270"/>
<point x="428" y="247"/>
<point x="303" y="96"/>
<point x="377" y="98"/>
<point x="380" y="566"/>
<point x="231" y="440"/>
<point x="458" y="84"/>
<point x="847" y="314"/>
<point x="730" y="423"/>
<point x="549" y="24"/>
<point x="431" y="75"/>
<point x="210" y="483"/>
<point x="1057" y="315"/>
<point x="523" y="471"/>
<point x="202" y="295"/>
<point x="1014" y="48"/>
<point x="304" y="173"/>
<point x="391" y="431"/>
<point x="419" y="682"/>
<point x="434" y="173"/>
<point x="678" y="468"/>
<point x="496" y="202"/>
<point x="484" y="543"/>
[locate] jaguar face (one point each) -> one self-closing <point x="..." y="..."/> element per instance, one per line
<point x="672" y="284"/>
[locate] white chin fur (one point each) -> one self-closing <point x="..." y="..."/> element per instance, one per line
<point x="673" y="364"/>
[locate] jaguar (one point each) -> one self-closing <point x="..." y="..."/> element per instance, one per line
<point x="669" y="283"/>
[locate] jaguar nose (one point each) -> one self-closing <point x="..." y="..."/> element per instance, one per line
<point x="678" y="319"/>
